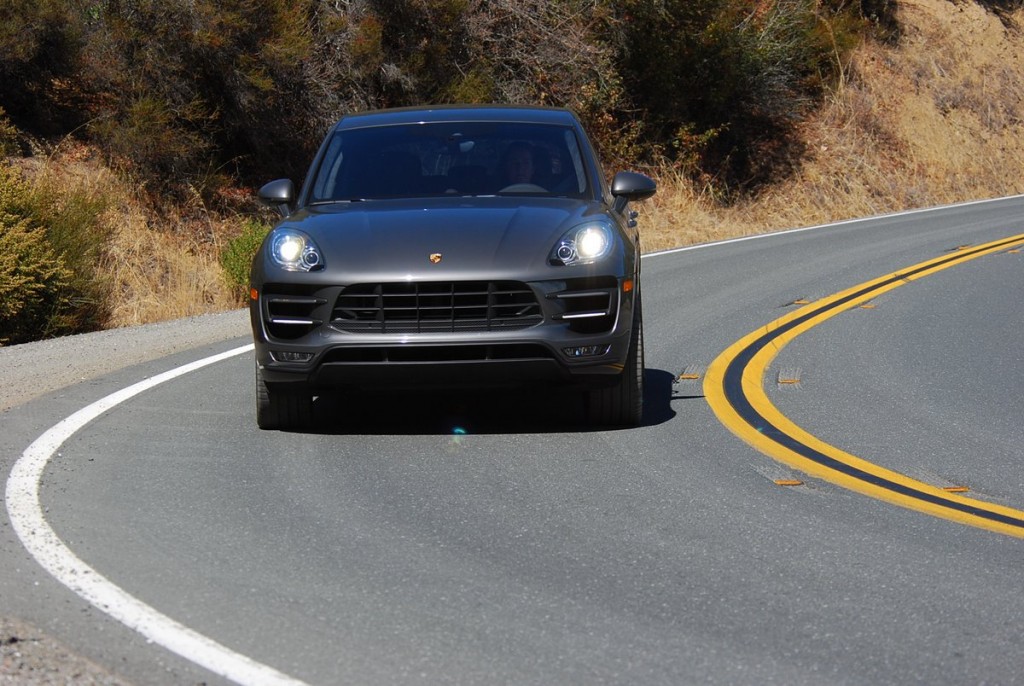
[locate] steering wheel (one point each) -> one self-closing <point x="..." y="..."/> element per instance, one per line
<point x="523" y="188"/>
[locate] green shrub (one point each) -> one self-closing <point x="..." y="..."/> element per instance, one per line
<point x="149" y="140"/>
<point x="39" y="53"/>
<point x="34" y="281"/>
<point x="1002" y="7"/>
<point x="73" y="221"/>
<point x="47" y="223"/>
<point x="8" y="136"/>
<point x="189" y="86"/>
<point x="734" y="77"/>
<point x="881" y="14"/>
<point x="237" y="256"/>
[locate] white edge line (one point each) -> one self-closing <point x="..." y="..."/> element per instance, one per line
<point x="860" y="220"/>
<point x="26" y="514"/>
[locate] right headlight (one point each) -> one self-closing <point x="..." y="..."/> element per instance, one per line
<point x="584" y="244"/>
<point x="294" y="251"/>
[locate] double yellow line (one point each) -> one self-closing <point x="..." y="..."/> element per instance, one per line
<point x="734" y="389"/>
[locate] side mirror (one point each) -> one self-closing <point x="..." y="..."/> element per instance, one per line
<point x="279" y="194"/>
<point x="633" y="186"/>
<point x="630" y="186"/>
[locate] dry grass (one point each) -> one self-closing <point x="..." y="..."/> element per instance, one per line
<point x="935" y="120"/>
<point x="152" y="270"/>
<point x="158" y="274"/>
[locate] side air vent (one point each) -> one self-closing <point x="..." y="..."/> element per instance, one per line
<point x="589" y="305"/>
<point x="291" y="312"/>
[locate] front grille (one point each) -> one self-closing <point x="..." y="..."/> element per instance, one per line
<point x="436" y="307"/>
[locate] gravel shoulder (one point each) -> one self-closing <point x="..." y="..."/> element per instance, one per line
<point x="32" y="370"/>
<point x="28" y="657"/>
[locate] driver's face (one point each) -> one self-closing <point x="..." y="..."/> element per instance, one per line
<point x="519" y="166"/>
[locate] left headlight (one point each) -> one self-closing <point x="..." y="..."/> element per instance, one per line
<point x="295" y="251"/>
<point x="583" y="244"/>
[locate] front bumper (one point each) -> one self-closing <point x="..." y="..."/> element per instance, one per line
<point x="576" y="333"/>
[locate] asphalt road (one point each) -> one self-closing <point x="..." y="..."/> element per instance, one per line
<point x="488" y="539"/>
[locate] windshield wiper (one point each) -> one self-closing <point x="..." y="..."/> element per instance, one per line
<point x="338" y="200"/>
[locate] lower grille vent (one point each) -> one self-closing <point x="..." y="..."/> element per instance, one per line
<point x="291" y="313"/>
<point x="438" y="354"/>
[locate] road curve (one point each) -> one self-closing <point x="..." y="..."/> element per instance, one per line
<point x="735" y="389"/>
<point x="486" y="539"/>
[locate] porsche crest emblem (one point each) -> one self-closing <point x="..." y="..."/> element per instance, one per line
<point x="435" y="257"/>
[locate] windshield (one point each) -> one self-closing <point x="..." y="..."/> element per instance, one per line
<point x="418" y="160"/>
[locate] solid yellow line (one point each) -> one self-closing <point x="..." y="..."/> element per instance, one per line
<point x="753" y="390"/>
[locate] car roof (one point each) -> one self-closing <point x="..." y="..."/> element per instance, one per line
<point x="458" y="113"/>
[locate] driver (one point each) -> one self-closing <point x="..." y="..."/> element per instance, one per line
<point x="517" y="164"/>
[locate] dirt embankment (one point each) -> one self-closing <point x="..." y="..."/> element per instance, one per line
<point x="935" y="119"/>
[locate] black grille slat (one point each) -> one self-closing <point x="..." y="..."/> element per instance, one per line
<point x="436" y="307"/>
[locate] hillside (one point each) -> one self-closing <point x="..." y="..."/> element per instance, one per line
<point x="934" y="118"/>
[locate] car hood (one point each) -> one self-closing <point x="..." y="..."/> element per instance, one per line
<point x="469" y="238"/>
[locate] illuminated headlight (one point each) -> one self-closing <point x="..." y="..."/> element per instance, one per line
<point x="583" y="244"/>
<point x="294" y="251"/>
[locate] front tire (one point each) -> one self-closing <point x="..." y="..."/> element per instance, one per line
<point x="622" y="405"/>
<point x="287" y="411"/>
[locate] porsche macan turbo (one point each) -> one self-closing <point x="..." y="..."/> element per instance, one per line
<point x="450" y="247"/>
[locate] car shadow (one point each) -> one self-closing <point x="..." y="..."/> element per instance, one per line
<point x="474" y="412"/>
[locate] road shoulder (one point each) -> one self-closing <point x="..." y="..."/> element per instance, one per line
<point x="31" y="370"/>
